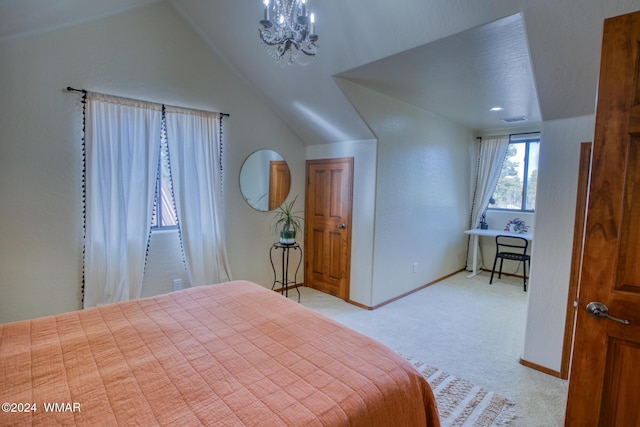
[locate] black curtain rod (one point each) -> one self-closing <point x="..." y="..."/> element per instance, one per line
<point x="84" y="91"/>
<point x="70" y="89"/>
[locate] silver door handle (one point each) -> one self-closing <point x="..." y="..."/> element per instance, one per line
<point x="601" y="311"/>
<point x="342" y="226"/>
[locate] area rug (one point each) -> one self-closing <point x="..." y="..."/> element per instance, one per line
<point x="462" y="404"/>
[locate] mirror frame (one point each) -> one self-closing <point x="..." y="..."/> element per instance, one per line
<point x="265" y="180"/>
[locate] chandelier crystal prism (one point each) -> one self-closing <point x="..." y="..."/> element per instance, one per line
<point x="288" y="31"/>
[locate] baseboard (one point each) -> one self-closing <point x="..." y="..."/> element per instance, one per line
<point x="540" y="368"/>
<point x="357" y="304"/>
<point x="366" y="307"/>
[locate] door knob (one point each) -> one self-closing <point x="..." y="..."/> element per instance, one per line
<point x="342" y="226"/>
<point x="601" y="311"/>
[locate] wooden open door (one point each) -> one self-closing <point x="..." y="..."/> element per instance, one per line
<point x="604" y="382"/>
<point x="327" y="240"/>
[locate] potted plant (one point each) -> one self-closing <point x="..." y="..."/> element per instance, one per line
<point x="288" y="222"/>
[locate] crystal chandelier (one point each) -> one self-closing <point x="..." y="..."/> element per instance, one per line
<point x="288" y="31"/>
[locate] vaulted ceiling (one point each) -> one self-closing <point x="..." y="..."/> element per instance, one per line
<point x="537" y="59"/>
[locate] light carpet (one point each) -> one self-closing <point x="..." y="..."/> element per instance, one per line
<point x="462" y="404"/>
<point x="467" y="328"/>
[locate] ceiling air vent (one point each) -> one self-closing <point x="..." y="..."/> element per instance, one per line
<point x="515" y="119"/>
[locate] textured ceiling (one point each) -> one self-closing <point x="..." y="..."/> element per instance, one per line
<point x="535" y="58"/>
<point x="461" y="76"/>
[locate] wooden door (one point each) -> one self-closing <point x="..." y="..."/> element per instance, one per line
<point x="604" y="383"/>
<point x="328" y="225"/>
<point x="279" y="183"/>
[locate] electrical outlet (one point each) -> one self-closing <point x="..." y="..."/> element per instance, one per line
<point x="415" y="267"/>
<point x="177" y="284"/>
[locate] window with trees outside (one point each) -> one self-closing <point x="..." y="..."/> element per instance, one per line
<point x="164" y="214"/>
<point x="516" y="188"/>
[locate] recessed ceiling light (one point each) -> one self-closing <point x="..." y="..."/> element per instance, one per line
<point x="496" y="109"/>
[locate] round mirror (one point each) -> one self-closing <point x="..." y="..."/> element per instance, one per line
<point x="265" y="180"/>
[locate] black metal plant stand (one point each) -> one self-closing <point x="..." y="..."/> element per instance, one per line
<point x="284" y="277"/>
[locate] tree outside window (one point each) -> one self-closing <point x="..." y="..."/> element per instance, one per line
<point x="516" y="187"/>
<point x="164" y="214"/>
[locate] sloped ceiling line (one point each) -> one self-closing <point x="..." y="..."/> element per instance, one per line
<point x="490" y="59"/>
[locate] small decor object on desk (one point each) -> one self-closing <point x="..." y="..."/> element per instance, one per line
<point x="516" y="225"/>
<point x="288" y="222"/>
<point x="483" y="221"/>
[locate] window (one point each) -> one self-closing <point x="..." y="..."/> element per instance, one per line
<point x="165" y="217"/>
<point x="126" y="153"/>
<point x="516" y="188"/>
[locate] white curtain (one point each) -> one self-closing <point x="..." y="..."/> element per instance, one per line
<point x="122" y="145"/>
<point x="490" y="158"/>
<point x="193" y="138"/>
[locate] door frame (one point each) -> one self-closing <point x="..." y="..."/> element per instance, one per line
<point x="584" y="169"/>
<point x="347" y="278"/>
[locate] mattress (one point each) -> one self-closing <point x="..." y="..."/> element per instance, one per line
<point x="231" y="354"/>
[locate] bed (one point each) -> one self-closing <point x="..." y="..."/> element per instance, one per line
<point x="230" y="354"/>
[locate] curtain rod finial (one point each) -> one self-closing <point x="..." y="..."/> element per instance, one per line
<point x="70" y="89"/>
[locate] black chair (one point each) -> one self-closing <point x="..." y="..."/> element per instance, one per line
<point x="514" y="249"/>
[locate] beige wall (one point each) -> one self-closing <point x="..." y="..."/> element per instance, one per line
<point x="132" y="55"/>
<point x="553" y="238"/>
<point x="421" y="195"/>
<point x="422" y="204"/>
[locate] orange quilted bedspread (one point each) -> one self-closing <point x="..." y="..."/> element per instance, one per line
<point x="223" y="355"/>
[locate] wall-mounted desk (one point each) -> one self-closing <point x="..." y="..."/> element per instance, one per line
<point x="476" y="233"/>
